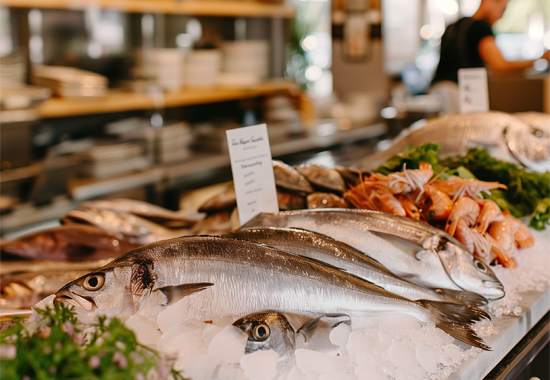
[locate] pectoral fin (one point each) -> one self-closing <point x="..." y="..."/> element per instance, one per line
<point x="326" y="321"/>
<point x="175" y="293"/>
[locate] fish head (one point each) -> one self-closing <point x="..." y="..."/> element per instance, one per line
<point x="467" y="271"/>
<point x="268" y="330"/>
<point x="117" y="289"/>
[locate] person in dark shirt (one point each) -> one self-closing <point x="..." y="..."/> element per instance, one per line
<point x="469" y="43"/>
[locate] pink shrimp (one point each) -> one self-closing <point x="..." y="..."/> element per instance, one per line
<point x="523" y="236"/>
<point x="411" y="179"/>
<point x="474" y="242"/>
<point x="410" y="208"/>
<point x="374" y="196"/>
<point x="457" y="187"/>
<point x="500" y="253"/>
<point x="490" y="212"/>
<point x="466" y="209"/>
<point x="441" y="204"/>
<point x="503" y="232"/>
<point x="463" y="234"/>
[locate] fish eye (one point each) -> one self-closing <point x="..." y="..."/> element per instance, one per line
<point x="482" y="267"/>
<point x="261" y="332"/>
<point x="94" y="281"/>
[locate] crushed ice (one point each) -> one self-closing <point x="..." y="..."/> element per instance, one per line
<point x="393" y="347"/>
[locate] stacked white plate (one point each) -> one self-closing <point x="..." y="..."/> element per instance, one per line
<point x="165" y="66"/>
<point x="202" y="68"/>
<point x="250" y="57"/>
<point x="172" y="143"/>
<point x="13" y="69"/>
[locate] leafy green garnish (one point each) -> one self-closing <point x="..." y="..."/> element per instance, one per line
<point x="57" y="348"/>
<point x="528" y="193"/>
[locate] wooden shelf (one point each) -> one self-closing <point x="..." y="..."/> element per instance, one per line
<point x="118" y="101"/>
<point x="224" y="8"/>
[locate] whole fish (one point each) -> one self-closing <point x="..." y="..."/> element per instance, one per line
<point x="215" y="223"/>
<point x="75" y="242"/>
<point x="24" y="290"/>
<point x="139" y="230"/>
<point x="417" y="251"/>
<point x="216" y="276"/>
<point x="226" y="200"/>
<point x="322" y="176"/>
<point x="499" y="132"/>
<point x="146" y="210"/>
<point x="325" y="200"/>
<point x="321" y="247"/>
<point x="290" y="201"/>
<point x="285" y="332"/>
<point x="286" y="177"/>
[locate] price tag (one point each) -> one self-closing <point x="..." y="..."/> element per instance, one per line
<point x="472" y="90"/>
<point x="252" y="169"/>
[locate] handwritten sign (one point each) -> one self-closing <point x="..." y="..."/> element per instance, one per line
<point x="472" y="90"/>
<point x="252" y="170"/>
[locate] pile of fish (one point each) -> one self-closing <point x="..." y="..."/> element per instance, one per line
<point x="337" y="265"/>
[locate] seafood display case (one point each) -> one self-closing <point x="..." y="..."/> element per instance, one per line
<point x="423" y="263"/>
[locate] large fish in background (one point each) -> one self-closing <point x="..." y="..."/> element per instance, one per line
<point x="411" y="249"/>
<point x="525" y="138"/>
<point x="219" y="276"/>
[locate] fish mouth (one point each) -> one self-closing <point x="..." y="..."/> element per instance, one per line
<point x="496" y="286"/>
<point x="67" y="297"/>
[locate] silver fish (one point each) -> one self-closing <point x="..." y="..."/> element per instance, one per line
<point x="321" y="247"/>
<point x="215" y="276"/>
<point x="288" y="178"/>
<point x="417" y="251"/>
<point x="455" y="134"/>
<point x="323" y="177"/>
<point x="146" y="210"/>
<point x="138" y="229"/>
<point x="285" y="332"/>
<point x="325" y="200"/>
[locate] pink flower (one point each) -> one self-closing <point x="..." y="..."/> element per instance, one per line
<point x="94" y="362"/>
<point x="120" y="359"/>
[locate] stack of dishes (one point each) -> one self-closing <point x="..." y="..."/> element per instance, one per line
<point x="165" y="67"/>
<point x="172" y="143"/>
<point x="13" y="69"/>
<point x="70" y="81"/>
<point x="246" y="58"/>
<point x="202" y="68"/>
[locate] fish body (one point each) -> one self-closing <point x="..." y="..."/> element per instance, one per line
<point x="289" y="201"/>
<point x="321" y="247"/>
<point x="323" y="177"/>
<point x="501" y="133"/>
<point x="417" y="251"/>
<point x="144" y="209"/>
<point x="217" y="276"/>
<point x="224" y="201"/>
<point x="73" y="242"/>
<point x="138" y="229"/>
<point x="286" y="177"/>
<point x="214" y="223"/>
<point x="325" y="200"/>
<point x="285" y="332"/>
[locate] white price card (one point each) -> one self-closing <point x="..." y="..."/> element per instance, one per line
<point x="252" y="169"/>
<point x="472" y="90"/>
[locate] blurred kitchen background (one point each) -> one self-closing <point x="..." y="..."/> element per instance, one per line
<point x="131" y="98"/>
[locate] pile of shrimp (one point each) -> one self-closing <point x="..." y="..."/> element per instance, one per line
<point x="455" y="205"/>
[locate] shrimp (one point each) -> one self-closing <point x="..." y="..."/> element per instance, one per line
<point x="500" y="253"/>
<point x="457" y="187"/>
<point x="410" y="180"/>
<point x="474" y="242"/>
<point x="523" y="236"/>
<point x="466" y="209"/>
<point x="410" y="208"/>
<point x="504" y="232"/>
<point x="374" y="196"/>
<point x="441" y="204"/>
<point x="490" y="212"/>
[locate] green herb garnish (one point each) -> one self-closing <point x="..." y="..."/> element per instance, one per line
<point x="56" y="347"/>
<point x="528" y="193"/>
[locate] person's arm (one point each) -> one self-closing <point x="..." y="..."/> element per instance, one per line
<point x="493" y="58"/>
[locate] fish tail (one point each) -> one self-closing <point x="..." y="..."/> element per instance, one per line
<point x="456" y="319"/>
<point x="463" y="296"/>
